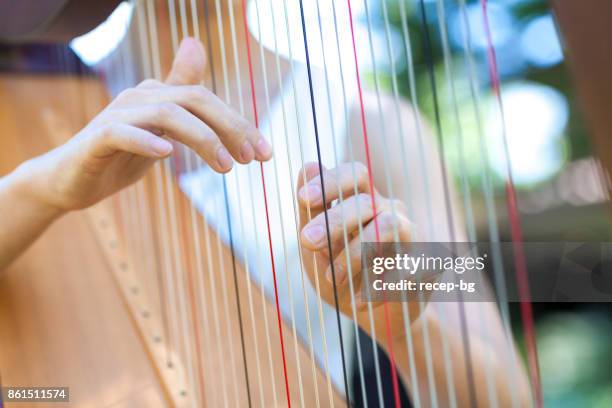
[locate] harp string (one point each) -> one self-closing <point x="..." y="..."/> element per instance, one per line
<point x="144" y="211"/>
<point x="161" y="181"/>
<point x="178" y="249"/>
<point x="425" y="173"/>
<point x="263" y="183"/>
<point x="153" y="65"/>
<point x="190" y="167"/>
<point x="131" y="201"/>
<point x="295" y="211"/>
<point x="278" y="189"/>
<point x="514" y="219"/>
<point x="498" y="268"/>
<point x="250" y="184"/>
<point x="190" y="154"/>
<point x="329" y="244"/>
<point x="134" y="195"/>
<point x="351" y="157"/>
<point x="238" y="192"/>
<point x="472" y="237"/>
<point x="345" y="237"/>
<point x="227" y="212"/>
<point x="405" y="309"/>
<point x="371" y="180"/>
<point x="281" y="217"/>
<point x="467" y="203"/>
<point x="309" y="215"/>
<point x="462" y="315"/>
<point x="156" y="69"/>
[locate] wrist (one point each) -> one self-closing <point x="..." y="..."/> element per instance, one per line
<point x="30" y="185"/>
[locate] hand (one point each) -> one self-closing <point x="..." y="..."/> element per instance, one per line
<point x="355" y="209"/>
<point x="116" y="148"/>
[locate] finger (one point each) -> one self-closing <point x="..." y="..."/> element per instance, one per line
<point x="381" y="228"/>
<point x="189" y="63"/>
<point x="309" y="171"/>
<point x="241" y="138"/>
<point x="121" y="137"/>
<point x="346" y="216"/>
<point x="181" y="125"/>
<point x="338" y="182"/>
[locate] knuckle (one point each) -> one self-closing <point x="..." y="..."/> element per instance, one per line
<point x="198" y="93"/>
<point x="166" y="110"/>
<point x="240" y="127"/>
<point x="107" y="133"/>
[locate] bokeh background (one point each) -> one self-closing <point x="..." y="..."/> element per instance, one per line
<point x="551" y="156"/>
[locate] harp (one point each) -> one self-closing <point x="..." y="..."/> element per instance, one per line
<point x="209" y="265"/>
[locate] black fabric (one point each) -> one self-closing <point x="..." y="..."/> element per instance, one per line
<point x="367" y="354"/>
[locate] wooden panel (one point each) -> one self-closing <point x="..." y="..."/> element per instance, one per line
<point x="62" y="321"/>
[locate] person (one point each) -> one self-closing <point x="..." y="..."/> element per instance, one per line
<point x="140" y="126"/>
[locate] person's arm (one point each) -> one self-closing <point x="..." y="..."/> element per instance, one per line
<point x="23" y="216"/>
<point x="118" y="146"/>
<point x="492" y="354"/>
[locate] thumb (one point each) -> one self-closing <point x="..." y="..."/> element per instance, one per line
<point x="189" y="63"/>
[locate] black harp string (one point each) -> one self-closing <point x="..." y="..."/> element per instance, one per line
<point x="329" y="248"/>
<point x="308" y="211"/>
<point x="428" y="51"/>
<point x="345" y="237"/>
<point x="227" y="214"/>
<point x="246" y="261"/>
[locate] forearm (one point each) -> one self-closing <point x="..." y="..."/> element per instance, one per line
<point x="495" y="368"/>
<point x="23" y="215"/>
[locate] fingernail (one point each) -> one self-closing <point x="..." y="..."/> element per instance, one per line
<point x="310" y="192"/>
<point x="224" y="160"/>
<point x="263" y="149"/>
<point x="161" y="147"/>
<point x="246" y="152"/>
<point x="314" y="234"/>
